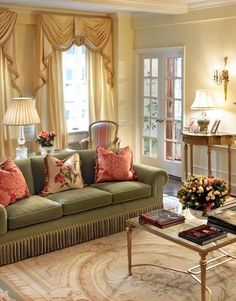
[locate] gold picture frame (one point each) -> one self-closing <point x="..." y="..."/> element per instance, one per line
<point x="215" y="126"/>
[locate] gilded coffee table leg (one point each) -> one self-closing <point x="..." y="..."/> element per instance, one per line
<point x="203" y="264"/>
<point x="129" y="248"/>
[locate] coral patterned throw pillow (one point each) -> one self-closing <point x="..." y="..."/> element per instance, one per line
<point x="62" y="175"/>
<point x="114" y="166"/>
<point x="13" y="186"/>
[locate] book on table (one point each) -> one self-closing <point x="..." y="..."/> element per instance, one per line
<point x="161" y="218"/>
<point x="203" y="234"/>
<point x="226" y="219"/>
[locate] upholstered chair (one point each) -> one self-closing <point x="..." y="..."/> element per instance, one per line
<point x="101" y="133"/>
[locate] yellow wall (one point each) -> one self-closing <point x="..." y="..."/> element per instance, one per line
<point x="208" y="36"/>
<point x="124" y="77"/>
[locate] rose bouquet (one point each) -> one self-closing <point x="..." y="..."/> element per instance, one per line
<point x="203" y="193"/>
<point x="45" y="138"/>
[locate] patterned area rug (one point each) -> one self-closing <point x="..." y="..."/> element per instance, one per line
<point x="97" y="271"/>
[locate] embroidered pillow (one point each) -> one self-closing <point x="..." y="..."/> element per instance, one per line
<point x="62" y="175"/>
<point x="13" y="186"/>
<point x="114" y="166"/>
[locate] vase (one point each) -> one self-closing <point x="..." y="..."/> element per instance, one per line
<point x="198" y="213"/>
<point x="202" y="214"/>
<point x="47" y="150"/>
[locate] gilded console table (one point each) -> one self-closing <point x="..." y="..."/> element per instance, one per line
<point x="209" y="140"/>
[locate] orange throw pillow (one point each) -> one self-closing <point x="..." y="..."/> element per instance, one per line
<point x="114" y="166"/>
<point x="13" y="186"/>
<point x="62" y="175"/>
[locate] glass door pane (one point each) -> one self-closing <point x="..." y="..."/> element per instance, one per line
<point x="150" y="107"/>
<point x="173" y="108"/>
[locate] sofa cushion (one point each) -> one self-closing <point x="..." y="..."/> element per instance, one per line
<point x="62" y="175"/>
<point x="13" y="186"/>
<point x="114" y="165"/>
<point x="125" y="191"/>
<point x="78" y="200"/>
<point x="37" y="165"/>
<point x="32" y="210"/>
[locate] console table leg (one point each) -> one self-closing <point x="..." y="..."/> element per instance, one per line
<point x="191" y="159"/>
<point x="229" y="166"/>
<point x="129" y="248"/>
<point x="186" y="159"/>
<point x="209" y="160"/>
<point x="203" y="264"/>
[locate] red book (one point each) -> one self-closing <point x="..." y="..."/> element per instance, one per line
<point x="161" y="218"/>
<point x="203" y="234"/>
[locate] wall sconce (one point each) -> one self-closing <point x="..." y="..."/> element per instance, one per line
<point x="222" y="77"/>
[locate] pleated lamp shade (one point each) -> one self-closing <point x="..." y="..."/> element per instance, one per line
<point x="21" y="112"/>
<point x="203" y="100"/>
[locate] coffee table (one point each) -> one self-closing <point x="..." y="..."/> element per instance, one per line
<point x="171" y="234"/>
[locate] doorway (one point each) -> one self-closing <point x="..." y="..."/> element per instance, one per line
<point x="161" y="109"/>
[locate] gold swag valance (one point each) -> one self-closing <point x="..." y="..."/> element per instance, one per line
<point x="7" y="43"/>
<point x="61" y="32"/>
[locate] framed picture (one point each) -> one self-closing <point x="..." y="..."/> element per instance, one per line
<point x="215" y="126"/>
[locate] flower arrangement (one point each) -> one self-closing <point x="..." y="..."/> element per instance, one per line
<point x="203" y="193"/>
<point x="45" y="138"/>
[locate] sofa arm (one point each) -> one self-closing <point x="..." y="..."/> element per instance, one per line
<point x="156" y="177"/>
<point x="3" y="220"/>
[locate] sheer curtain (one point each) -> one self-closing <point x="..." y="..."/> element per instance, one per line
<point x="8" y="77"/>
<point x="101" y="101"/>
<point x="57" y="33"/>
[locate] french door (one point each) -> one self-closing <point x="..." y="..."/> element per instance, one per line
<point x="161" y="110"/>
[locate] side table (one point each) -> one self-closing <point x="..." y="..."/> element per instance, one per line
<point x="209" y="140"/>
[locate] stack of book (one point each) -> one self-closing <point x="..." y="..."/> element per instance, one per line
<point x="225" y="220"/>
<point x="203" y="234"/>
<point x="161" y="218"/>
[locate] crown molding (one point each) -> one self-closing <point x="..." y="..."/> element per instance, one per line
<point x="145" y="6"/>
<point x="170" y="7"/>
<point x="149" y="6"/>
<point x="196" y="5"/>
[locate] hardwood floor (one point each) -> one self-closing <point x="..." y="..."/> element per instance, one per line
<point x="172" y="186"/>
<point x="170" y="199"/>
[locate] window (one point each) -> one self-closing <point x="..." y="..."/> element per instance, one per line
<point x="75" y="89"/>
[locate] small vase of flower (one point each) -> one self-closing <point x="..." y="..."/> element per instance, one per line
<point x="204" y="194"/>
<point x="45" y="140"/>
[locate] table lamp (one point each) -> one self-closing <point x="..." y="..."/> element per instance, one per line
<point x="203" y="101"/>
<point x="21" y="112"/>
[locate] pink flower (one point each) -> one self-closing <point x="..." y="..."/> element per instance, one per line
<point x="209" y="206"/>
<point x="59" y="163"/>
<point x="59" y="178"/>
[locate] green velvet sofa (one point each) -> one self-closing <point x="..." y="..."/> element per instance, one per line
<point x="38" y="225"/>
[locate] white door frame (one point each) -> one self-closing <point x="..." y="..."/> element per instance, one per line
<point x="137" y="94"/>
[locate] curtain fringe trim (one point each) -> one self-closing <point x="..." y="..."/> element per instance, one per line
<point x="50" y="241"/>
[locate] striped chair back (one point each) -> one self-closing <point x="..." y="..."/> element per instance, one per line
<point x="103" y="133"/>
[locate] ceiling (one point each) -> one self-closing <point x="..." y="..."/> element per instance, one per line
<point x="111" y="6"/>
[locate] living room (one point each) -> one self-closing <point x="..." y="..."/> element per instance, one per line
<point x="205" y="37"/>
<point x="204" y="33"/>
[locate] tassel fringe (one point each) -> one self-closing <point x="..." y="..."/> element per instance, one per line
<point x="50" y="241"/>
